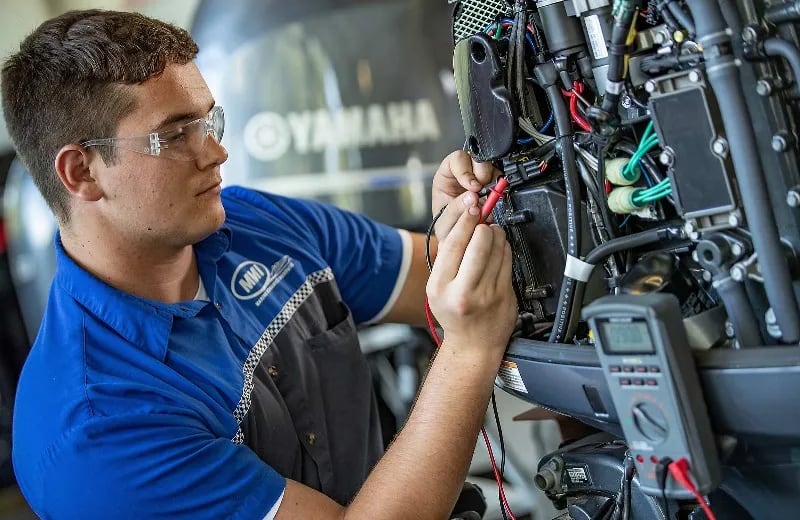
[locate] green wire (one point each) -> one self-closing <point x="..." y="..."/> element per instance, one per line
<point x="647" y="132"/>
<point x="647" y="142"/>
<point x="657" y="192"/>
<point x="499" y="30"/>
<point x="629" y="168"/>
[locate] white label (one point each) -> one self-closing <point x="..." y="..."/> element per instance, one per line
<point x="596" y="39"/>
<point x="641" y="446"/>
<point x="509" y="375"/>
<point x="577" y="475"/>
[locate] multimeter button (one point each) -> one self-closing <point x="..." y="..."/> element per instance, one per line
<point x="652" y="382"/>
<point x="624" y="382"/>
<point x="627" y="369"/>
<point x="654" y="369"/>
<point x="638" y="382"/>
<point x="641" y="369"/>
<point x="614" y="368"/>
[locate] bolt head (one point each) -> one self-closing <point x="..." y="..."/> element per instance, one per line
<point x="737" y="250"/>
<point x="793" y="199"/>
<point x="666" y="158"/>
<point x="763" y="88"/>
<point x="694" y="76"/>
<point x="695" y="256"/>
<point x="719" y="146"/>
<point x="626" y="101"/>
<point x="729" y="329"/>
<point x="749" y="34"/>
<point x="779" y="143"/>
<point x="733" y="220"/>
<point x="650" y="86"/>
<point x="738" y="273"/>
<point x="706" y="276"/>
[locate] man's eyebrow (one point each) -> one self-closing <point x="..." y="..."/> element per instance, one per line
<point x="182" y="116"/>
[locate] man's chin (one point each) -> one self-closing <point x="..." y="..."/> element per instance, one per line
<point x="214" y="224"/>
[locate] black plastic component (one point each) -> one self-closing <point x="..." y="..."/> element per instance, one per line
<point x="563" y="32"/>
<point x="700" y="179"/>
<point x="539" y="246"/>
<point x="591" y="464"/>
<point x="487" y="109"/>
<point x="520" y="171"/>
<point x="754" y="376"/>
<point x="664" y="272"/>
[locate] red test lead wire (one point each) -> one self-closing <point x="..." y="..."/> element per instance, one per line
<point x="680" y="472"/>
<point x="495" y="192"/>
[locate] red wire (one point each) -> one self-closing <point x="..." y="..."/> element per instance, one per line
<point x="497" y="476"/>
<point x="573" y="108"/>
<point x="432" y="324"/>
<point x="680" y="472"/>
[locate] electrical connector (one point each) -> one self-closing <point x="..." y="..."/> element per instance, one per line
<point x="681" y="473"/>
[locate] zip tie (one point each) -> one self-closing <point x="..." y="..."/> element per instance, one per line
<point x="577" y="269"/>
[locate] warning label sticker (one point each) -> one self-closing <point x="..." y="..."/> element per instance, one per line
<point x="509" y="376"/>
<point x="596" y="39"/>
<point x="579" y="475"/>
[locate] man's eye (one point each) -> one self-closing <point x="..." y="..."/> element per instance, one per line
<point x="174" y="136"/>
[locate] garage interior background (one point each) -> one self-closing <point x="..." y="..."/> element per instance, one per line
<point x="384" y="171"/>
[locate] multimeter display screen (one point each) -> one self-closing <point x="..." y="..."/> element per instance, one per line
<point x="626" y="337"/>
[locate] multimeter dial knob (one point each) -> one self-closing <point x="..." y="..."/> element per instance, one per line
<point x="650" y="421"/>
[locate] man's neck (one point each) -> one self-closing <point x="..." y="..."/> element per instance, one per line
<point x="164" y="274"/>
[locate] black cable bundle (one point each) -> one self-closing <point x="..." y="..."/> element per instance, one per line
<point x="515" y="78"/>
<point x="604" y="117"/>
<point x="547" y="76"/>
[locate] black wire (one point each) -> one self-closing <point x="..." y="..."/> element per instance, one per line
<point x="428" y="238"/>
<point x="662" y="470"/>
<point x="502" y="453"/>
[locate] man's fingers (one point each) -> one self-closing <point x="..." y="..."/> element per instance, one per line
<point x="452" y="213"/>
<point x="476" y="257"/>
<point x="459" y="166"/>
<point x="462" y="167"/>
<point x="504" y="273"/>
<point x="451" y="250"/>
<point x="495" y="260"/>
<point x="485" y="172"/>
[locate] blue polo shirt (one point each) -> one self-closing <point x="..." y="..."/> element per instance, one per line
<point x="133" y="408"/>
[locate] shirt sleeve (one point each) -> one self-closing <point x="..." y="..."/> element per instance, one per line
<point x="370" y="260"/>
<point x="152" y="466"/>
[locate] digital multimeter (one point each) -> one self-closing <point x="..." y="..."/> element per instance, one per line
<point x="651" y="375"/>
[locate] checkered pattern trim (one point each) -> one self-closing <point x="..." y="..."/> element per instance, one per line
<point x="266" y="339"/>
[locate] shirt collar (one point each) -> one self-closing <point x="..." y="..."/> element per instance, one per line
<point x="143" y="322"/>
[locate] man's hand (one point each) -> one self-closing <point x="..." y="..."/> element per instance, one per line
<point x="457" y="183"/>
<point x="470" y="290"/>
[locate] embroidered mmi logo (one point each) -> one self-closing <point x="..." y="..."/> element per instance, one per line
<point x="255" y="280"/>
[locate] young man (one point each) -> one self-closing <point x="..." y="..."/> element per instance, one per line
<point x="198" y="355"/>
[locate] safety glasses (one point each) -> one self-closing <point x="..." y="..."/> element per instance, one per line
<point x="184" y="143"/>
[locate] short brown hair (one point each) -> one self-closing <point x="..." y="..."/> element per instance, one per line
<point x="64" y="86"/>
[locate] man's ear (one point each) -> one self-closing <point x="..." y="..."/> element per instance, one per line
<point x="72" y="166"/>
